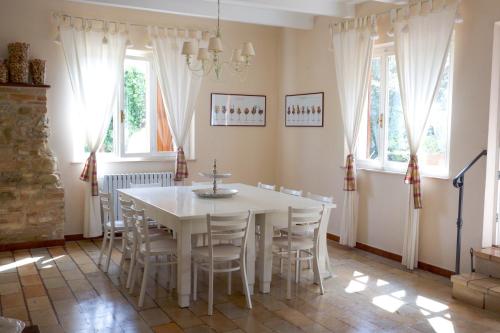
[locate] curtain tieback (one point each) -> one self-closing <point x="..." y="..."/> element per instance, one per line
<point x="181" y="169"/>
<point x="86" y="176"/>
<point x="413" y="177"/>
<point x="350" y="174"/>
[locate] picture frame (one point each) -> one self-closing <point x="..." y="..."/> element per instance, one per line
<point x="305" y="110"/>
<point x="237" y="110"/>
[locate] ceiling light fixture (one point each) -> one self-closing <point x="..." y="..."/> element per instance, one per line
<point x="210" y="58"/>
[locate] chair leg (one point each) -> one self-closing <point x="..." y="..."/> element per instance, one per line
<point x="229" y="279"/>
<point x="103" y="246"/>
<point x="297" y="266"/>
<point x="132" y="266"/>
<point x="281" y="262"/>
<point x="124" y="255"/>
<point x="110" y="249"/>
<point x="328" y="264"/>
<point x="289" y="276"/>
<point x="210" y="290"/>
<point x="243" y="270"/>
<point x="320" y="279"/>
<point x="134" y="276"/>
<point x="195" y="281"/>
<point x="144" y="282"/>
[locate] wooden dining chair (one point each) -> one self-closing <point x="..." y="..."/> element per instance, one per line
<point x="298" y="238"/>
<point x="324" y="200"/>
<point x="111" y="227"/>
<point x="297" y="193"/>
<point x="228" y="257"/>
<point x="266" y="186"/>
<point x="148" y="248"/>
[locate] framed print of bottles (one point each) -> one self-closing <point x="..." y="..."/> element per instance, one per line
<point x="237" y="110"/>
<point x="304" y="110"/>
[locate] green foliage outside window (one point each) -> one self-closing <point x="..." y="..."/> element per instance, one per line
<point x="135" y="100"/>
<point x="135" y="106"/>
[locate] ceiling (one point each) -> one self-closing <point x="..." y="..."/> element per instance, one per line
<point x="282" y="13"/>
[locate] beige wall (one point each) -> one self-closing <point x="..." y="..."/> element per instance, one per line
<point x="311" y="158"/>
<point x="288" y="62"/>
<point x="247" y="152"/>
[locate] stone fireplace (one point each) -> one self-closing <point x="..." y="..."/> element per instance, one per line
<point x="31" y="192"/>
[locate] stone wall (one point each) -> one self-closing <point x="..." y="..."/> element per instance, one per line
<point x="31" y="192"/>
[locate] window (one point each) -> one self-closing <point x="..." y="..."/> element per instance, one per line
<point x="139" y="128"/>
<point x="383" y="142"/>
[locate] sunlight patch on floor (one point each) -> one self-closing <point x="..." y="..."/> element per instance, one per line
<point x="381" y="283"/>
<point x="363" y="279"/>
<point x="53" y="259"/>
<point x="354" y="287"/>
<point x="19" y="263"/>
<point x="430" y="304"/>
<point x="399" y="293"/>
<point x="441" y="325"/>
<point x="387" y="303"/>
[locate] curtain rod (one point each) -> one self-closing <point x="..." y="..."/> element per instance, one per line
<point x="396" y="9"/>
<point x="58" y="16"/>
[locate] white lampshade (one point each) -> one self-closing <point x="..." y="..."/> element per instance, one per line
<point x="236" y="56"/>
<point x="248" y="50"/>
<point x="202" y="53"/>
<point x="215" y="44"/>
<point x="188" y="48"/>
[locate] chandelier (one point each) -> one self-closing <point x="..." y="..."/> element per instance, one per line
<point x="211" y="59"/>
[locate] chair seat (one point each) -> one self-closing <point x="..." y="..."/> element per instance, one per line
<point x="221" y="252"/>
<point x="298" y="243"/>
<point x="162" y="245"/>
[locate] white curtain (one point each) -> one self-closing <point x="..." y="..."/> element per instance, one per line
<point x="421" y="42"/>
<point x="179" y="87"/>
<point x="352" y="48"/>
<point x="95" y="70"/>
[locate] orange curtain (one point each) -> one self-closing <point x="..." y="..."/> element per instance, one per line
<point x="163" y="136"/>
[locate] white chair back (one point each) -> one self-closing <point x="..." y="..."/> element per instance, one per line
<point x="132" y="185"/>
<point x="301" y="221"/>
<point x="266" y="186"/>
<point x="297" y="193"/>
<point x="108" y="213"/>
<point x="227" y="228"/>
<point x="127" y="215"/>
<point x="141" y="230"/>
<point x="320" y="198"/>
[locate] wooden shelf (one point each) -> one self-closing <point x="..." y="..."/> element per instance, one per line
<point x="23" y="85"/>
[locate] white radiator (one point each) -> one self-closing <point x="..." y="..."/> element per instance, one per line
<point x="110" y="183"/>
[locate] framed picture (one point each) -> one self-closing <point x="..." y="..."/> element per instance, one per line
<point x="237" y="110"/>
<point x="304" y="110"/>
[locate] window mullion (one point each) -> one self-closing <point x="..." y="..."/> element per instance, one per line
<point x="383" y="108"/>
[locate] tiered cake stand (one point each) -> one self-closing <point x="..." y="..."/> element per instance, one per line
<point x="215" y="192"/>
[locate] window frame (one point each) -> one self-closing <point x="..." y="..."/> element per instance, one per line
<point x="118" y="154"/>
<point x="382" y="164"/>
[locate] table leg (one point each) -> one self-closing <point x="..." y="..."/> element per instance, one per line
<point x="265" y="256"/>
<point x="323" y="249"/>
<point x="251" y="255"/>
<point x="183" y="263"/>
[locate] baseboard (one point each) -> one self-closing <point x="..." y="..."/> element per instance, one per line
<point x="31" y="245"/>
<point x="396" y="257"/>
<point x="77" y="237"/>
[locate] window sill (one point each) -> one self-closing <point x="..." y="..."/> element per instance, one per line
<point x="400" y="173"/>
<point x="133" y="159"/>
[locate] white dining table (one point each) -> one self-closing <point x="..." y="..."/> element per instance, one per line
<point x="181" y="210"/>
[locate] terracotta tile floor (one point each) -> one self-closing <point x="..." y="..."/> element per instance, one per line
<point x="60" y="289"/>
